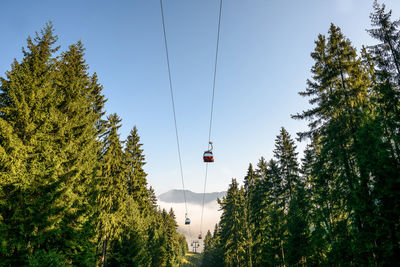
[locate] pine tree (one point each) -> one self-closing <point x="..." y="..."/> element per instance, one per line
<point x="173" y="247"/>
<point x="286" y="157"/>
<point x="112" y="190"/>
<point x="137" y="183"/>
<point x="250" y="181"/>
<point x="208" y="241"/>
<point x="212" y="254"/>
<point x="63" y="173"/>
<point x="298" y="227"/>
<point x="258" y="210"/>
<point x="152" y="199"/>
<point x="233" y="234"/>
<point x="130" y="249"/>
<point x="79" y="143"/>
<point x="26" y="100"/>
<point x="339" y="93"/>
<point x="317" y="246"/>
<point x="384" y="159"/>
<point x="45" y="117"/>
<point x="156" y="242"/>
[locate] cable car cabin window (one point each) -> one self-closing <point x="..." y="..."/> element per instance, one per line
<point x="187" y="221"/>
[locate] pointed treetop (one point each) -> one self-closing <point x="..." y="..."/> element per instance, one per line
<point x="42" y="44"/>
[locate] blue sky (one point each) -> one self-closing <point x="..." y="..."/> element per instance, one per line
<point x="264" y="61"/>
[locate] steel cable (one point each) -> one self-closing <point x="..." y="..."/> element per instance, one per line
<point x="173" y="105"/>
<point x="212" y="109"/>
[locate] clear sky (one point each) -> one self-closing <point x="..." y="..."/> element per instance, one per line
<point x="264" y="61"/>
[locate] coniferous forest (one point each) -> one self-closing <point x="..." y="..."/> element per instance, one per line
<point x="72" y="193"/>
<point x="340" y="204"/>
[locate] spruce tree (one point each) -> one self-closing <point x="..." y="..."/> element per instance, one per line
<point x="250" y="181"/>
<point x="46" y="112"/>
<point x="339" y="93"/>
<point x="112" y="190"/>
<point x="233" y="234"/>
<point x="258" y="210"/>
<point x="213" y="252"/>
<point x="298" y="227"/>
<point x="137" y="183"/>
<point x="79" y="143"/>
<point x="286" y="157"/>
<point x="385" y="160"/>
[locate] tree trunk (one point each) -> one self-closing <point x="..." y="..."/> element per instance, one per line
<point x="283" y="254"/>
<point x="103" y="258"/>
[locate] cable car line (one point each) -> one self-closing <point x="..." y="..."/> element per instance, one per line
<point x="215" y="71"/>
<point x="173" y="109"/>
<point x="208" y="156"/>
<point x="202" y="208"/>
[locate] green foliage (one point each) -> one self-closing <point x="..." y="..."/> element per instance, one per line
<point x="67" y="187"/>
<point x="42" y="258"/>
<point x="213" y="255"/>
<point x="233" y="232"/>
<point x="342" y="207"/>
<point x="48" y="120"/>
<point x="137" y="184"/>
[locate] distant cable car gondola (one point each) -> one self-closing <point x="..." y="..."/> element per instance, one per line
<point x="187" y="220"/>
<point x="208" y="155"/>
<point x="200" y="237"/>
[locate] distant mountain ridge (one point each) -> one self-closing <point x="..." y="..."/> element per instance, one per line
<point x="176" y="196"/>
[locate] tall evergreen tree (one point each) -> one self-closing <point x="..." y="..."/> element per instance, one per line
<point x="258" y="210"/>
<point x="46" y="112"/>
<point x="63" y="173"/>
<point x="137" y="183"/>
<point x="112" y="189"/>
<point x="339" y="94"/>
<point x="213" y="252"/>
<point x="286" y="157"/>
<point x="250" y="181"/>
<point x="317" y="246"/>
<point x="298" y="227"/>
<point x="29" y="181"/>
<point x="233" y="234"/>
<point x="385" y="160"/>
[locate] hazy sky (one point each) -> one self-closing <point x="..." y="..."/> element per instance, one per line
<point x="264" y="61"/>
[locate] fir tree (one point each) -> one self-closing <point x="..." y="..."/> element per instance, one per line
<point x="385" y="160"/>
<point x="250" y="181"/>
<point x="112" y="191"/>
<point x="258" y="210"/>
<point x="44" y="110"/>
<point x="233" y="234"/>
<point x="137" y="183"/>
<point x="339" y="94"/>
<point x="63" y="173"/>
<point x="286" y="156"/>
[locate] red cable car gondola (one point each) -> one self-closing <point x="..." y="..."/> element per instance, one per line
<point x="208" y="155"/>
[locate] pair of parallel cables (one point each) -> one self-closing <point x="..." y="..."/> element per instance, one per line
<point x="174" y="113"/>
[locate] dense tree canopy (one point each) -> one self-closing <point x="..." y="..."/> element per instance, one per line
<point x="73" y="194"/>
<point x="340" y="207"/>
<point x="70" y="193"/>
